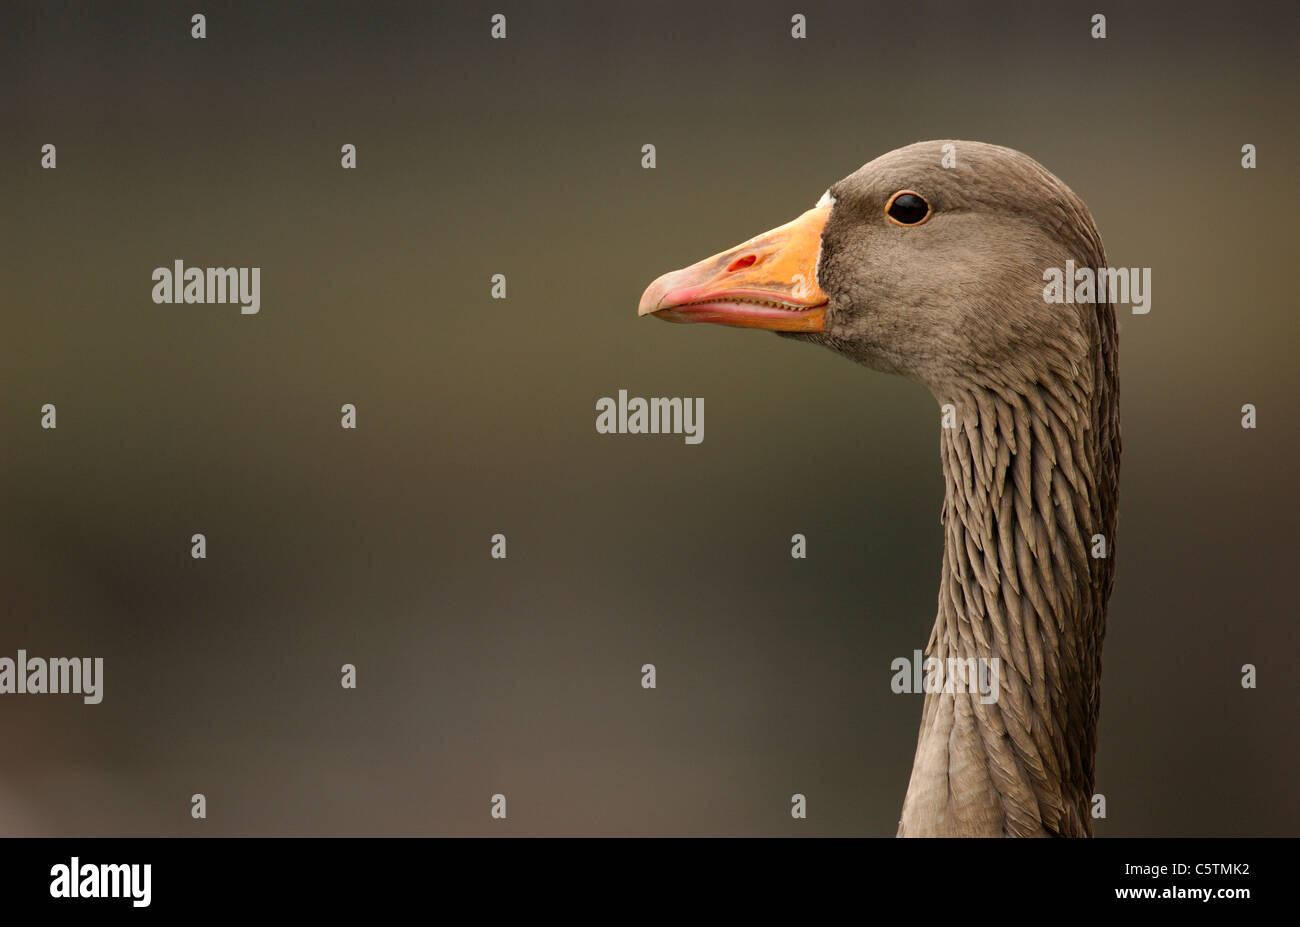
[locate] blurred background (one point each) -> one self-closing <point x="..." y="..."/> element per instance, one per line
<point x="476" y="416"/>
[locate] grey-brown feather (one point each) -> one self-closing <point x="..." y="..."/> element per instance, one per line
<point x="1031" y="470"/>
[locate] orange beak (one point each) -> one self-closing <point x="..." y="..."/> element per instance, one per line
<point x="768" y="282"/>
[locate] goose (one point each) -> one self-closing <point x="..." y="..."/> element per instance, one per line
<point x="935" y="271"/>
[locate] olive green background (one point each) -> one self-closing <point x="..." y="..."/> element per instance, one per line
<point x="522" y="157"/>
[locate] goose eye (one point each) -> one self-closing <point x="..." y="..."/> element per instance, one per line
<point x="907" y="208"/>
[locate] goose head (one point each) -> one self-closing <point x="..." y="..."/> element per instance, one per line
<point x="937" y="272"/>
<point x="911" y="267"/>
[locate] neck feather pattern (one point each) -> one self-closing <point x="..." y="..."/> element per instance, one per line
<point x="1031" y="474"/>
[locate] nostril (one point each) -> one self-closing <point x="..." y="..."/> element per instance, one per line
<point x="742" y="263"/>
